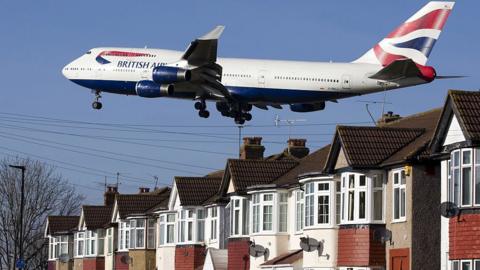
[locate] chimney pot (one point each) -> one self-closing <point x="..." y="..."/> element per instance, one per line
<point x="143" y="190"/>
<point x="252" y="148"/>
<point x="297" y="148"/>
<point x="388" y="117"/>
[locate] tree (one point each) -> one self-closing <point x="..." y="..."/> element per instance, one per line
<point x="46" y="193"/>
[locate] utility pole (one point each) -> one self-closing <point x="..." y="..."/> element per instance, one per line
<point x="20" y="263"/>
<point x="240" y="127"/>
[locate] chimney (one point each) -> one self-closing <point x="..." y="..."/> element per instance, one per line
<point x="109" y="196"/>
<point x="387" y="118"/>
<point x="142" y="190"/>
<point x="297" y="148"/>
<point x="252" y="148"/>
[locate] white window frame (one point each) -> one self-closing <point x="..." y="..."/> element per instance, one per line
<point x="457" y="169"/>
<point x="239" y="226"/>
<point x="213" y="214"/>
<point x="309" y="205"/>
<point x="188" y="222"/>
<point x="79" y="238"/>
<point x="124" y="236"/>
<point x="167" y="221"/>
<point x="460" y="263"/>
<point x="312" y="196"/>
<point x="282" y="212"/>
<point x="267" y="202"/>
<point x="91" y="243"/>
<point x="299" y="210"/>
<point x="151" y="233"/>
<point x="200" y="217"/>
<point x="323" y="193"/>
<point x="52" y="248"/>
<point x="109" y="240"/>
<point x="338" y="201"/>
<point x="137" y="229"/>
<point x="402" y="201"/>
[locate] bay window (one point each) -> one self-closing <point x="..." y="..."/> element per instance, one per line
<point x="109" y="240"/>
<point x="151" y="233"/>
<point x="124" y="236"/>
<point x="299" y="210"/>
<point x="200" y="225"/>
<point x="338" y="201"/>
<point x="399" y="195"/>
<point x="269" y="212"/>
<point x="142" y="233"/>
<point x="79" y="244"/>
<point x="239" y="216"/>
<point x="309" y="204"/>
<point x="360" y="199"/>
<point x="283" y="212"/>
<point x="167" y="229"/>
<point x="464" y="177"/>
<point x="319" y="200"/>
<point x="191" y="226"/>
<point x="213" y="214"/>
<point x="101" y="242"/>
<point x="90" y="243"/>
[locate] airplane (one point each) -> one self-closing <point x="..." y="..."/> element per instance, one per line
<point x="236" y="85"/>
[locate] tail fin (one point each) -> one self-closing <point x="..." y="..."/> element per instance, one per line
<point x="414" y="39"/>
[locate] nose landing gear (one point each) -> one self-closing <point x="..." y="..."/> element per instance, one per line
<point x="97" y="105"/>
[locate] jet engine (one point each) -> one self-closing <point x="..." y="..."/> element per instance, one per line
<point x="307" y="107"/>
<point x="149" y="89"/>
<point x="167" y="75"/>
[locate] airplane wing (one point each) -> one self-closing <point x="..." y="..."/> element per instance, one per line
<point x="203" y="50"/>
<point x="397" y="70"/>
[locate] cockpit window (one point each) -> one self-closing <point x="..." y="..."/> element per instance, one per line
<point x="89" y="52"/>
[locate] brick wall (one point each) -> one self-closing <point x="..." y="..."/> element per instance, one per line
<point x="357" y="247"/>
<point x="51" y="265"/>
<point x="119" y="265"/>
<point x="238" y="255"/>
<point x="464" y="234"/>
<point x="189" y="257"/>
<point x="96" y="263"/>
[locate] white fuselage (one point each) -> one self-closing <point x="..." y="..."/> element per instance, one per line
<point x="250" y="80"/>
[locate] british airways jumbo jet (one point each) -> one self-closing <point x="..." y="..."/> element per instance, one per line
<point x="236" y="85"/>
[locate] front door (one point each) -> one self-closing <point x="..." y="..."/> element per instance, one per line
<point x="346" y="82"/>
<point x="400" y="259"/>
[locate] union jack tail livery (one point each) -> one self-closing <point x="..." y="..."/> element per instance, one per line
<point x="414" y="39"/>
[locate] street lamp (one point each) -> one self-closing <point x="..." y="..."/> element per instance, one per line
<point x="20" y="263"/>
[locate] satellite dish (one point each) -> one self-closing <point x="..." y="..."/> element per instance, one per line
<point x="125" y="259"/>
<point x="310" y="244"/>
<point x="449" y="209"/>
<point x="64" y="258"/>
<point x="383" y="235"/>
<point x="257" y="250"/>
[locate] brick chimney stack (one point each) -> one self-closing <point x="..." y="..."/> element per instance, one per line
<point x="142" y="190"/>
<point x="387" y="118"/>
<point x="297" y="148"/>
<point x="252" y="148"/>
<point x="109" y="196"/>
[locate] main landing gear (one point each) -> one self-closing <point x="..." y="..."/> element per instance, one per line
<point x="97" y="105"/>
<point x="201" y="107"/>
<point x="238" y="111"/>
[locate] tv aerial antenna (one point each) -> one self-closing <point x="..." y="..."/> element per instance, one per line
<point x="374" y="102"/>
<point x="289" y="122"/>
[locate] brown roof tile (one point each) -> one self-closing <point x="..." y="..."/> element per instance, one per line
<point x="369" y="146"/>
<point x="467" y="108"/>
<point x="246" y="173"/>
<point x="315" y="162"/>
<point x="135" y="204"/>
<point x="96" y="216"/>
<point x="194" y="191"/>
<point x="62" y="224"/>
<point x="286" y="258"/>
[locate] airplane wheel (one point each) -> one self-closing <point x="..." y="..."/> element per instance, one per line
<point x="97" y="105"/>
<point x="239" y="121"/>
<point x="199" y="106"/>
<point x="247" y="116"/>
<point x="204" y="114"/>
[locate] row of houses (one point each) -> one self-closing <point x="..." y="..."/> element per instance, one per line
<point x="375" y="198"/>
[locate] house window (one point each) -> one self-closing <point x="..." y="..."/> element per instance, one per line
<point x="399" y="195"/>
<point x="323" y="203"/>
<point x="167" y="228"/>
<point x="256" y="213"/>
<point x="200" y="225"/>
<point x="213" y="212"/>
<point x="101" y="241"/>
<point x="110" y="240"/>
<point x="90" y="243"/>
<point x="186" y="226"/>
<point x="137" y="233"/>
<point x="79" y="242"/>
<point x="464" y="184"/>
<point x="283" y="212"/>
<point x="338" y="201"/>
<point x="309" y="204"/>
<point x="151" y="233"/>
<point x="124" y="236"/>
<point x="361" y="198"/>
<point x="267" y="211"/>
<point x="299" y="213"/>
<point x="465" y="264"/>
<point x="52" y="247"/>
<point x="239" y="216"/>
<point x="319" y="197"/>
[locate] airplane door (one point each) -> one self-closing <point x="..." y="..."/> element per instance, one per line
<point x="346" y="82"/>
<point x="262" y="78"/>
<point x="145" y="74"/>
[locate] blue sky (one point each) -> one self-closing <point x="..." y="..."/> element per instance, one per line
<point x="40" y="37"/>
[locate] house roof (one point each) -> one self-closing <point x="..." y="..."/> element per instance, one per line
<point x="96" y="216"/>
<point x="386" y="144"/>
<point x="134" y="204"/>
<point x="315" y="162"/>
<point x="62" y="224"/>
<point x="196" y="190"/>
<point x="465" y="105"/>
<point x="246" y="173"/>
<point x="286" y="258"/>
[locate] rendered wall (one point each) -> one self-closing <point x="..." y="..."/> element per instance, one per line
<point x="142" y="259"/>
<point x="276" y="244"/>
<point x="166" y="257"/>
<point x="78" y="264"/>
<point x="313" y="259"/>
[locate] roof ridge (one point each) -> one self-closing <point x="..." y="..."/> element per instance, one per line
<point x="381" y="127"/>
<point x="409" y="117"/>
